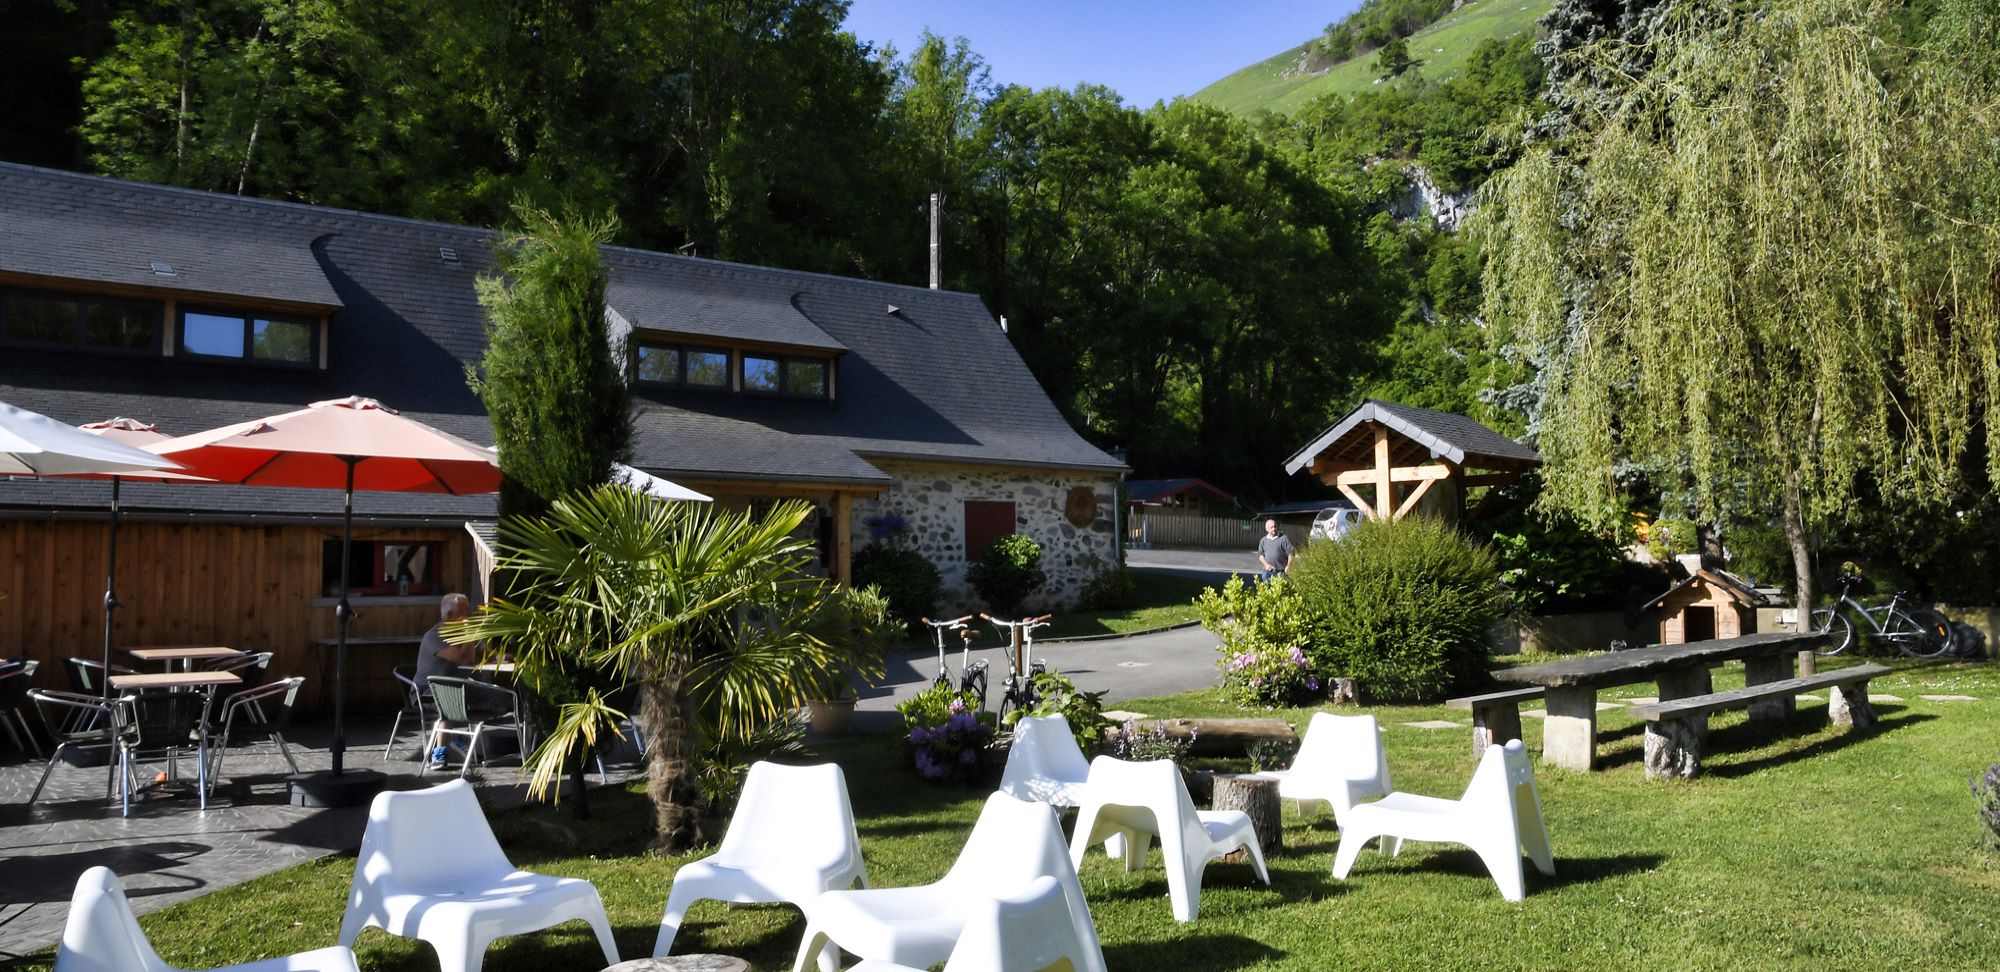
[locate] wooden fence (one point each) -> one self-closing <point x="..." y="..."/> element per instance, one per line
<point x="1163" y="527"/>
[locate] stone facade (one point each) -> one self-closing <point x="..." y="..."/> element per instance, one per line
<point x="931" y="498"/>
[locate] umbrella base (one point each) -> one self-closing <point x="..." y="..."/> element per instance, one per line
<point x="350" y="789"/>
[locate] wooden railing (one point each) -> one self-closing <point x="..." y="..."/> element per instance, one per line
<point x="1160" y="527"/>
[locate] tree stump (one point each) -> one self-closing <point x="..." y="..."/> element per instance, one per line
<point x="1343" y="692"/>
<point x="1258" y="797"/>
<point x="683" y="963"/>
<point x="1673" y="747"/>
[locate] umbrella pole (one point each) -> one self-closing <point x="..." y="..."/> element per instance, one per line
<point x="110" y="590"/>
<point x="341" y="612"/>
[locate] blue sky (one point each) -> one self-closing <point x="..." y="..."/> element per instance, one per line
<point x="1146" y="50"/>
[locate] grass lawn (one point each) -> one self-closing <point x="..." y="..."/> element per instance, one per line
<point x="1809" y="846"/>
<point x="1163" y="600"/>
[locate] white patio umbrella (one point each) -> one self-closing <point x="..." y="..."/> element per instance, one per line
<point x="641" y="481"/>
<point x="32" y="444"/>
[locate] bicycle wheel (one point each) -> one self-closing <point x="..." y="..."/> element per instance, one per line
<point x="1838" y="629"/>
<point x="1918" y="632"/>
<point x="974" y="682"/>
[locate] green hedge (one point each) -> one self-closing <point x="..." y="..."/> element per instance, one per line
<point x="1404" y="608"/>
<point x="906" y="577"/>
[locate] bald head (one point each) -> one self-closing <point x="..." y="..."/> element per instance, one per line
<point x="453" y="607"/>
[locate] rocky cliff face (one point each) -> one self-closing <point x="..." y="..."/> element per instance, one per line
<point x="1423" y="199"/>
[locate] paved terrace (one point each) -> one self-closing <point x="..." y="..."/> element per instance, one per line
<point x="169" y="851"/>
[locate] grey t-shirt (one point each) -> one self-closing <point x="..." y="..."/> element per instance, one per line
<point x="428" y="662"/>
<point x="1277" y="550"/>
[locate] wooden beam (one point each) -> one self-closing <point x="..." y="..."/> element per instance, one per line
<point x="1367" y="509"/>
<point x="843" y="538"/>
<point x="1384" y="488"/>
<point x="1397" y="474"/>
<point x="1410" y="501"/>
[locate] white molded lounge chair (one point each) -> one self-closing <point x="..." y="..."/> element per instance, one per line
<point x="792" y="838"/>
<point x="1012" y="844"/>
<point x="1135" y="801"/>
<point x="1499" y="816"/>
<point x="430" y="868"/>
<point x="1340" y="763"/>
<point x="102" y="935"/>
<point x="1029" y="932"/>
<point x="1045" y="765"/>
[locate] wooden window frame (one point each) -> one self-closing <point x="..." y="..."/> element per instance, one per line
<point x="249" y="318"/>
<point x="734" y="383"/>
<point x="83" y="302"/>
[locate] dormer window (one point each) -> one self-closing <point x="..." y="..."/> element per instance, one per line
<point x="659" y="363"/>
<point x="249" y="336"/>
<point x="35" y="318"/>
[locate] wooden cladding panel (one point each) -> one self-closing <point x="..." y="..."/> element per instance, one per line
<point x="242" y="586"/>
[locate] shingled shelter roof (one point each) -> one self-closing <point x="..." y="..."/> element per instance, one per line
<point x="1442" y="435"/>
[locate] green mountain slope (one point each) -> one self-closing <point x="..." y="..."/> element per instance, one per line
<point x="1273" y="84"/>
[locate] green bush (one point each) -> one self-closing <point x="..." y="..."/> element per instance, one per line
<point x="1264" y="630"/>
<point x="1405" y="608"/>
<point x="1055" y="694"/>
<point x="906" y="577"/>
<point x="1007" y="572"/>
<point x="1111" y="589"/>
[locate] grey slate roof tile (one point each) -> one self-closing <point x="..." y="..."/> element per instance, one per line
<point x="935" y="380"/>
<point x="1447" y="435"/>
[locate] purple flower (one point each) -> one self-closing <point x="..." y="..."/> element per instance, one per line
<point x="1312" y="683"/>
<point x="962" y="722"/>
<point x="957" y="706"/>
<point x="966" y="757"/>
<point x="1298" y="656"/>
<point x="919" y="736"/>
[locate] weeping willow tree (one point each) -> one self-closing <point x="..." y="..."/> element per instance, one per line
<point x="1765" y="269"/>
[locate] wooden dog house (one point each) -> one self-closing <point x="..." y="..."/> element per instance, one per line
<point x="1709" y="604"/>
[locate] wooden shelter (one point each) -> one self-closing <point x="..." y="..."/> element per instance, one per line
<point x="1402" y="455"/>
<point x="1710" y="604"/>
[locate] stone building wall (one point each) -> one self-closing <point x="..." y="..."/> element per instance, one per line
<point x="931" y="498"/>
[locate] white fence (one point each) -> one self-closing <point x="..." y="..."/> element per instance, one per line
<point x="1162" y="527"/>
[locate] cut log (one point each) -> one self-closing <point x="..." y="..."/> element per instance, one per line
<point x="683" y="963"/>
<point x="1258" y="797"/>
<point x="1219" y="737"/>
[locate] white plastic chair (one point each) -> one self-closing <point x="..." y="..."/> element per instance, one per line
<point x="1013" y="843"/>
<point x="1045" y="765"/>
<point x="1499" y="816"/>
<point x="1029" y="932"/>
<point x="1135" y="801"/>
<point x="102" y="935"/>
<point x="430" y="868"/>
<point x="1340" y="763"/>
<point x="791" y="838"/>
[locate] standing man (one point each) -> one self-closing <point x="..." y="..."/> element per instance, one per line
<point x="436" y="657"/>
<point x="1274" y="551"/>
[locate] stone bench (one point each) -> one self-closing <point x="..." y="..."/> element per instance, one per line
<point x="1496" y="716"/>
<point x="1677" y="729"/>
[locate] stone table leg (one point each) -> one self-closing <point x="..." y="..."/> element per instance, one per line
<point x="1673" y="746"/>
<point x="1569" y="733"/>
<point x="1770" y="668"/>
<point x="1847" y="705"/>
<point x="1494" y="725"/>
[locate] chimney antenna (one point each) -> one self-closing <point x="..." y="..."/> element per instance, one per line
<point x="937" y="246"/>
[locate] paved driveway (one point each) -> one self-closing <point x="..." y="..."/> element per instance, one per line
<point x="1212" y="566"/>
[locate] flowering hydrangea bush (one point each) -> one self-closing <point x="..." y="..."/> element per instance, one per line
<point x="947" y="733"/>
<point x="1264" y="630"/>
<point x="1270" y="677"/>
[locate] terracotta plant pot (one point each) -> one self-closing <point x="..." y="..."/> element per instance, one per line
<point x="831" y="718"/>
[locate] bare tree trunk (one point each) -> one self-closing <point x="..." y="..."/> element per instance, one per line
<point x="250" y="147"/>
<point x="1802" y="565"/>
<point x="670" y="761"/>
<point x="187" y="69"/>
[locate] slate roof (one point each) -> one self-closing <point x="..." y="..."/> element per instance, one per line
<point x="937" y="380"/>
<point x="1444" y="435"/>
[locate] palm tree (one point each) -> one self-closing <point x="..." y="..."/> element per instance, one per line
<point x="709" y="611"/>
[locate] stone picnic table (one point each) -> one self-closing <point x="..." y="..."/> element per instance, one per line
<point x="1569" y="732"/>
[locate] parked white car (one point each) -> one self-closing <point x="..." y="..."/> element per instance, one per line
<point x="1334" y="522"/>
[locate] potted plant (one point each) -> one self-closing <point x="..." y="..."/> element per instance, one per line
<point x="854" y="623"/>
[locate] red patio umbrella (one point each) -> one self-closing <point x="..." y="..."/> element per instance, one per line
<point x="355" y="443"/>
<point x="138" y="435"/>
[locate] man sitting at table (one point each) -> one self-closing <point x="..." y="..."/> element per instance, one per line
<point x="436" y="657"/>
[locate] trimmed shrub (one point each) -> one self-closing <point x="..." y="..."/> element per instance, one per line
<point x="1405" y="608"/>
<point x="907" y="578"/>
<point x="1264" y="630"/>
<point x="1111" y="589"/>
<point x="1007" y="573"/>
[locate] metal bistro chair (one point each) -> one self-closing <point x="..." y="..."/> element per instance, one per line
<point x="417" y="703"/>
<point x="16" y="678"/>
<point x="169" y="724"/>
<point x="453" y="697"/>
<point x="243" y="715"/>
<point x="61" y="713"/>
<point x="252" y="668"/>
<point x="86" y="677"/>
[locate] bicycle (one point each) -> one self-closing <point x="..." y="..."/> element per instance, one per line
<point x="1916" y="630"/>
<point x="1019" y="690"/>
<point x="971" y="672"/>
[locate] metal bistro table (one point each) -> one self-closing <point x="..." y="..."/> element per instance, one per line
<point x="1569" y="733"/>
<point x="187" y="655"/>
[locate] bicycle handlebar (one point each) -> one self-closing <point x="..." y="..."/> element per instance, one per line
<point x="1015" y="624"/>
<point x="947" y="624"/>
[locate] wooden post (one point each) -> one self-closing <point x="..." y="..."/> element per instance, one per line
<point x="1258" y="797"/>
<point x="843" y="537"/>
<point x="1385" y="490"/>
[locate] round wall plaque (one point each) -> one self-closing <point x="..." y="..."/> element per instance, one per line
<point x="1081" y="506"/>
